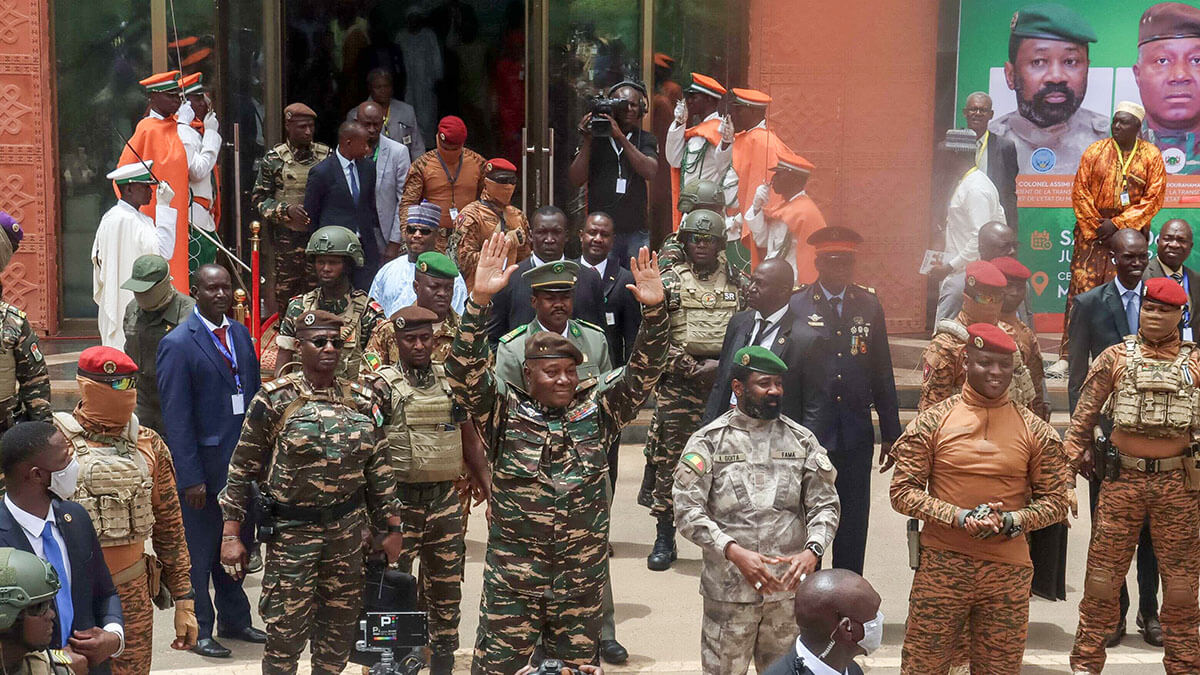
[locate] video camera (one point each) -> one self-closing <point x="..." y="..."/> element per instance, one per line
<point x="599" y="106"/>
<point x="393" y="632"/>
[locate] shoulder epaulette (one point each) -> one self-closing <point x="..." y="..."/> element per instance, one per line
<point x="512" y="334"/>
<point x="589" y="324"/>
<point x="801" y="288"/>
<point x="276" y="384"/>
<point x="865" y="288"/>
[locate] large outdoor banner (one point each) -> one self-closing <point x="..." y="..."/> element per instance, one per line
<point x="1054" y="101"/>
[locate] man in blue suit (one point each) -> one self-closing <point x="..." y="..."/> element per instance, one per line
<point x="35" y="519"/>
<point x="341" y="191"/>
<point x="207" y="374"/>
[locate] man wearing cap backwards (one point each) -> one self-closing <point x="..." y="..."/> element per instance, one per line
<point x="27" y="617"/>
<point x="782" y="230"/>
<point x="492" y="212"/>
<point x="547" y="548"/>
<point x="704" y="150"/>
<point x="847" y="372"/>
<point x="124" y="235"/>
<point x="1147" y="384"/>
<point x="996" y="156"/>
<point x="758" y="543"/>
<point x="201" y="136"/>
<point x="391" y="171"/>
<point x="156" y="139"/>
<point x="1047" y="69"/>
<point x="156" y="308"/>
<point x="315" y="444"/>
<point x="701" y="299"/>
<point x="1174" y="247"/>
<point x="450" y="176"/>
<point x="1168" y="80"/>
<point x="278" y="195"/>
<point x="393" y="287"/>
<point x="431" y="441"/>
<point x="435" y="287"/>
<point x="127" y="486"/>
<point x="942" y="373"/>
<point x="980" y="471"/>
<point x="335" y="252"/>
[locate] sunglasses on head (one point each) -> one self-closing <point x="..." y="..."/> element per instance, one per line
<point x="416" y="229"/>
<point x="321" y="341"/>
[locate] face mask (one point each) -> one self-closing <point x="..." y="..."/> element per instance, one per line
<point x="1156" y="326"/>
<point x="500" y="192"/>
<point x="63" y="482"/>
<point x="872" y="633"/>
<point x="450" y="156"/>
<point x="156" y="297"/>
<point x="103" y="407"/>
<point x="978" y="312"/>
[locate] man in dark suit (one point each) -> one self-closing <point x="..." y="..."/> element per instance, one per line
<point x="622" y="313"/>
<point x="207" y="374"/>
<point x="511" y="307"/>
<point x="1100" y="318"/>
<point x="36" y="519"/>
<point x="1174" y="247"/>
<point x="839" y="618"/>
<point x="997" y="156"/>
<point x="850" y="371"/>
<point x="341" y="191"/>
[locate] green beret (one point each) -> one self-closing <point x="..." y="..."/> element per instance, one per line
<point x="1051" y="21"/>
<point x="554" y="276"/>
<point x="413" y="316"/>
<point x="436" y="265"/>
<point x="760" y="359"/>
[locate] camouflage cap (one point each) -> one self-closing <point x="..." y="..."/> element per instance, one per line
<point x="436" y="265"/>
<point x="315" y="319"/>
<point x="555" y="276"/>
<point x="413" y="316"/>
<point x="148" y="270"/>
<point x="548" y="345"/>
<point x="760" y="360"/>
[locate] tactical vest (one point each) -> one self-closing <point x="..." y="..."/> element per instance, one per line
<point x="1155" y="398"/>
<point x="705" y="308"/>
<point x="423" y="433"/>
<point x="295" y="173"/>
<point x="8" y="360"/>
<point x="351" y="326"/>
<point x="114" y="482"/>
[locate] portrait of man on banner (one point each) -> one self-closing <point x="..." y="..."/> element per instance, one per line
<point x="1167" y="72"/>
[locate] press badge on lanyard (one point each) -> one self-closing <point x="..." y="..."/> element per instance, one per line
<point x="1124" y="163"/>
<point x="622" y="183"/>
<point x="236" y="402"/>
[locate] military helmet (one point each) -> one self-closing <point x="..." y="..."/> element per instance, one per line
<point x="701" y="194"/>
<point x="336" y="240"/>
<point x="25" y="580"/>
<point x="703" y="221"/>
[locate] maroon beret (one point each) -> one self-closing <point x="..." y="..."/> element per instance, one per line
<point x="100" y="363"/>
<point x="1011" y="268"/>
<point x="990" y="338"/>
<point x="1166" y="290"/>
<point x="985" y="274"/>
<point x="452" y="130"/>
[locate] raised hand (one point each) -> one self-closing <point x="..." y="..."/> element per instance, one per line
<point x="647" y="287"/>
<point x="492" y="272"/>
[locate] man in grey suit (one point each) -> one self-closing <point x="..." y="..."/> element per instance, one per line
<point x="399" y="118"/>
<point x="391" y="170"/>
<point x="997" y="156"/>
<point x="1174" y="247"/>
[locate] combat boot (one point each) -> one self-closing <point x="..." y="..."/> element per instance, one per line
<point x="645" y="495"/>
<point x="664" y="553"/>
<point x="441" y="663"/>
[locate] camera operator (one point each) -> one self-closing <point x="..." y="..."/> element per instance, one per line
<point x="617" y="159"/>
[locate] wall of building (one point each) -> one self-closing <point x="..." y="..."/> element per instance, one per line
<point x="854" y="94"/>
<point x="28" y="189"/>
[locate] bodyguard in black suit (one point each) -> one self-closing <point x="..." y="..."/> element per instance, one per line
<point x="341" y="191"/>
<point x="622" y="313"/>
<point x="33" y="454"/>
<point x="839" y="619"/>
<point x="1174" y="247"/>
<point x="999" y="157"/>
<point x="852" y="371"/>
<point x="1100" y="318"/>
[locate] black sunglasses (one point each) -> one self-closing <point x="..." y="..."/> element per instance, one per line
<point x="413" y="229"/>
<point x="320" y="342"/>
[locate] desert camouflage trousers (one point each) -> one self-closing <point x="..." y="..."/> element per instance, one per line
<point x="678" y="410"/>
<point x="138" y="611"/>
<point x="955" y="596"/>
<point x="734" y="634"/>
<point x="510" y="624"/>
<point x="312" y="587"/>
<point x="1174" y="513"/>
<point x="434" y="534"/>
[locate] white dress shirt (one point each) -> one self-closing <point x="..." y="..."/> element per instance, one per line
<point x="811" y="661"/>
<point x="601" y="268"/>
<point x="772" y="328"/>
<point x="538" y="262"/>
<point x="975" y="203"/>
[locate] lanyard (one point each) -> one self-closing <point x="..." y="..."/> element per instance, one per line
<point x="1121" y="159"/>
<point x="617" y="148"/>
<point x="446" y="170"/>
<point x="228" y="354"/>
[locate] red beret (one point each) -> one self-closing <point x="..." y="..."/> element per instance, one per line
<point x="1166" y="290"/>
<point x="452" y="130"/>
<point x="1012" y="268"/>
<point x="985" y="274"/>
<point x="990" y="337"/>
<point x="498" y="164"/>
<point x="105" y="362"/>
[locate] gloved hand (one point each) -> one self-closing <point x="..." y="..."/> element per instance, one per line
<point x="726" y="129"/>
<point x="681" y="113"/>
<point x="164" y="193"/>
<point x="185" y="114"/>
<point x="186" y="628"/>
<point x="761" y="194"/>
<point x="210" y="122"/>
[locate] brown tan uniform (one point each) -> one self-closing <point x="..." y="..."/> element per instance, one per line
<point x="382" y="351"/>
<point x="944" y="372"/>
<point x="1150" y="393"/>
<point x="127" y="486"/>
<point x="1030" y="354"/>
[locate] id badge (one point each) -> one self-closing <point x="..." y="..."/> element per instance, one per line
<point x="239" y="405"/>
<point x="1125" y="198"/>
<point x="453" y="213"/>
<point x="621" y="186"/>
<point x="610" y="318"/>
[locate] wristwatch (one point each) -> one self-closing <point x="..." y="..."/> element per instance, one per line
<point x="817" y="549"/>
<point x="190" y="595"/>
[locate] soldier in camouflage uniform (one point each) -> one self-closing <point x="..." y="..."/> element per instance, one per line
<point x="334" y="249"/>
<point x="28" y="585"/>
<point x="701" y="298"/>
<point x="1034" y="387"/>
<point x="980" y="471"/>
<point x="278" y="196"/>
<point x="314" y="442"/>
<point x="433" y="282"/>
<point x="548" y="537"/>
<point x="942" y="363"/>
<point x="755" y="491"/>
<point x="1146" y="385"/>
<point x="24" y="380"/>
<point x="157" y="308"/>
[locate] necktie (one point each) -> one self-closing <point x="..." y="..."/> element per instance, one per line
<point x="1178" y="277"/>
<point x="220" y="333"/>
<point x="62" y="600"/>
<point x="353" y="183"/>
<point x="1187" y="313"/>
<point x="760" y="330"/>
<point x="1131" y="311"/>
<point x="835" y="303"/>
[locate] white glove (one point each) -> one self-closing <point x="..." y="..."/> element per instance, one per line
<point x="185" y="114"/>
<point x="164" y="193"/>
<point x="681" y="113"/>
<point x="210" y="122"/>
<point x="761" y="194"/>
<point x="726" y="130"/>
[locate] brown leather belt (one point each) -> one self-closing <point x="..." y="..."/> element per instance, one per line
<point x="135" y="571"/>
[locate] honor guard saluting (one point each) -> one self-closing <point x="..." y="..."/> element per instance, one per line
<point x="27" y="616"/>
<point x="1149" y="467"/>
<point x="156" y="308"/>
<point x="755" y="491"/>
<point x="701" y="151"/>
<point x="981" y="471"/>
<point x="434" y="280"/>
<point x="24" y="379"/>
<point x="127" y="486"/>
<point x="943" y="375"/>
<point x="334" y="251"/>
<point x="278" y="195"/>
<point x="315" y="444"/>
<point x="430" y="442"/>
<point x="548" y="542"/>
<point x="701" y="299"/>
<point x="851" y="363"/>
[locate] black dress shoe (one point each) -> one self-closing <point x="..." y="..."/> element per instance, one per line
<point x="1115" y="638"/>
<point x="211" y="648"/>
<point x="247" y="634"/>
<point x="612" y="652"/>
<point x="1150" y="629"/>
<point x="441" y="663"/>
